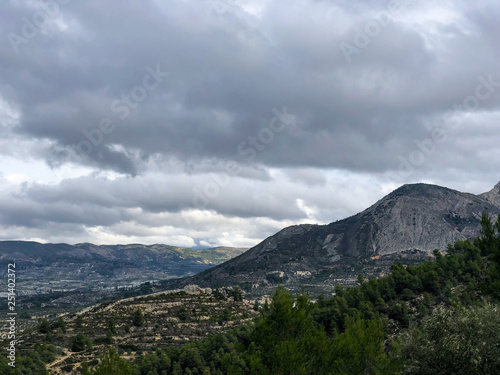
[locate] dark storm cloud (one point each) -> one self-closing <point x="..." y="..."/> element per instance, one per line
<point x="167" y="94"/>
<point x="65" y="80"/>
<point x="159" y="194"/>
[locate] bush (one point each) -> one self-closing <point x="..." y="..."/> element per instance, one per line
<point x="183" y="314"/>
<point x="61" y="324"/>
<point x="112" y="364"/>
<point x="44" y="326"/>
<point x="80" y="342"/>
<point x="138" y="318"/>
<point x="67" y="368"/>
<point x="454" y="341"/>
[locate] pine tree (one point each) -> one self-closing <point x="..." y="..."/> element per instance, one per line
<point x="61" y="324"/>
<point x="487" y="239"/>
<point x="138" y="318"/>
<point x="109" y="337"/>
<point x="360" y="349"/>
<point x="238" y="294"/>
<point x="112" y="364"/>
<point x="44" y="326"/>
<point x="112" y="325"/>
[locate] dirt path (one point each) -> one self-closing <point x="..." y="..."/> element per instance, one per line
<point x="59" y="360"/>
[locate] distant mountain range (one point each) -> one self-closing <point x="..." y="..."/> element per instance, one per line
<point x="414" y="219"/>
<point x="48" y="267"/>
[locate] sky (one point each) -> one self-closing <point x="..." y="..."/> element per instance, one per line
<point x="220" y="122"/>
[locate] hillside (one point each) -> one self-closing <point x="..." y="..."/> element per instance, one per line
<point x="440" y="317"/>
<point x="167" y="319"/>
<point x="409" y="223"/>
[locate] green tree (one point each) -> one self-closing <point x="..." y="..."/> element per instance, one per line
<point x="238" y="294"/>
<point x="112" y="364"/>
<point x="360" y="349"/>
<point x="61" y="324"/>
<point x="111" y="325"/>
<point x="138" y="318"/>
<point x="290" y="341"/>
<point x="487" y="239"/>
<point x="454" y="341"/>
<point x="490" y="245"/>
<point x="81" y="342"/>
<point x="177" y="369"/>
<point x="44" y="326"/>
<point x="109" y="337"/>
<point x="191" y="357"/>
<point x="339" y="290"/>
<point x="183" y="313"/>
<point x="225" y="315"/>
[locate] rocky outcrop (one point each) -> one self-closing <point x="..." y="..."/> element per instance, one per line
<point x="424" y="217"/>
<point x="492" y="196"/>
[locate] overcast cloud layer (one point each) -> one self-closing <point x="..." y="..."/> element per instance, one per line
<point x="202" y="123"/>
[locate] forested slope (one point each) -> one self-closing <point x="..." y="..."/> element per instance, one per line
<point x="440" y="317"/>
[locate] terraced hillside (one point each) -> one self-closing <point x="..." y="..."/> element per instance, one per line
<point x="135" y="325"/>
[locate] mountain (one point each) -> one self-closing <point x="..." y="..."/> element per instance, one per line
<point x="47" y="267"/>
<point x="411" y="221"/>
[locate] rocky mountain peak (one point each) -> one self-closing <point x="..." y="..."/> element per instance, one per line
<point x="414" y="217"/>
<point x="492" y="196"/>
<point x="419" y="189"/>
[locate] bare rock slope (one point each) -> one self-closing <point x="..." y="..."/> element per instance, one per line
<point x="492" y="196"/>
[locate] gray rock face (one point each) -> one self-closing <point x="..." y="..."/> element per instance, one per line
<point x="413" y="217"/>
<point x="424" y="217"/>
<point x="492" y="196"/>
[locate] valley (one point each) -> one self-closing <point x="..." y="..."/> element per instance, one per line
<point x="59" y="268"/>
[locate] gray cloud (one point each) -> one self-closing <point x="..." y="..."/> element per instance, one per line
<point x="90" y="93"/>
